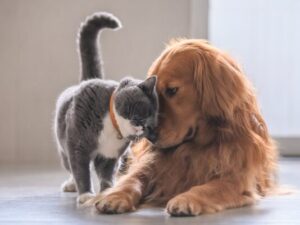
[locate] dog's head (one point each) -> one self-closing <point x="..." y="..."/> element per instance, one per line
<point x="199" y="87"/>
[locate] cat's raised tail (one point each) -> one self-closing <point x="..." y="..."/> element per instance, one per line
<point x="89" y="49"/>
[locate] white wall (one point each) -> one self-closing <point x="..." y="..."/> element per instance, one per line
<point x="265" y="38"/>
<point x="38" y="60"/>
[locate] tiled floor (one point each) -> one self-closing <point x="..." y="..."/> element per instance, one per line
<point x="32" y="196"/>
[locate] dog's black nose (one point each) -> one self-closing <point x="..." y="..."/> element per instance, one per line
<point x="151" y="134"/>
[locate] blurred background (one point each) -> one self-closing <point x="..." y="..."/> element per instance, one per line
<point x="38" y="58"/>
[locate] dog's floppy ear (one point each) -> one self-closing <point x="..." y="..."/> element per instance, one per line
<point x="220" y="84"/>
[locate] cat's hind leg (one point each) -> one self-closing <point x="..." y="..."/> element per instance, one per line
<point x="69" y="185"/>
<point x="80" y="167"/>
<point x="105" y="168"/>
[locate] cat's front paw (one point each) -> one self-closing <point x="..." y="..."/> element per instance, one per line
<point x="69" y="185"/>
<point x="114" y="203"/>
<point x="81" y="199"/>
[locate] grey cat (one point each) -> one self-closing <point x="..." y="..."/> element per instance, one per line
<point x="96" y="119"/>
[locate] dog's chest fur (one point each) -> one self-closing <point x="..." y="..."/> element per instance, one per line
<point x="170" y="180"/>
<point x="108" y="144"/>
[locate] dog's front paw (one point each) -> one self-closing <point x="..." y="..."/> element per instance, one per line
<point x="114" y="203"/>
<point x="81" y="199"/>
<point x="187" y="205"/>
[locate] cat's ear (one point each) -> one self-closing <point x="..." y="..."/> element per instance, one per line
<point x="149" y="85"/>
<point x="124" y="82"/>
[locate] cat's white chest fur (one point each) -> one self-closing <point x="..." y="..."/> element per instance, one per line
<point x="109" y="145"/>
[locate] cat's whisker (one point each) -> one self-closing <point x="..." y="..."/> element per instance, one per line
<point x="163" y="115"/>
<point x="136" y="139"/>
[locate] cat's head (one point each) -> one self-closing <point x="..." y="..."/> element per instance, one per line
<point x="136" y="108"/>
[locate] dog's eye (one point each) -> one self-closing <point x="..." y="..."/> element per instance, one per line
<point x="171" y="91"/>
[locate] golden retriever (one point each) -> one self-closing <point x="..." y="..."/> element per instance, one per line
<point x="213" y="150"/>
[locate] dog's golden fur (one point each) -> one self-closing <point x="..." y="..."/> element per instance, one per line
<point x="214" y="150"/>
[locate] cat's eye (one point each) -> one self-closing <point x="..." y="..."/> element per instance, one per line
<point x="170" y="92"/>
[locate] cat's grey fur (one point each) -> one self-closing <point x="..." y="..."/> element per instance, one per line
<point x="83" y="127"/>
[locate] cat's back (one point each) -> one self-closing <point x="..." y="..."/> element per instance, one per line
<point x="80" y="103"/>
<point x="93" y="94"/>
<point x="93" y="88"/>
<point x="99" y="86"/>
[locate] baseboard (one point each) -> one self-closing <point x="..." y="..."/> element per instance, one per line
<point x="288" y="146"/>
